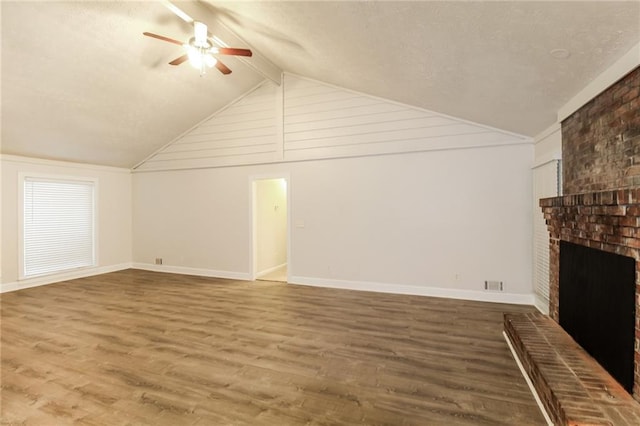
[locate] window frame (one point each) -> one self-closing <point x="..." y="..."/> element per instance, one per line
<point x="22" y="178"/>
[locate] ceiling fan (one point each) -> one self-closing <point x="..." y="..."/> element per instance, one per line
<point x="201" y="50"/>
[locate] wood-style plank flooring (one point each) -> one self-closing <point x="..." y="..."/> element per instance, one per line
<point x="144" y="348"/>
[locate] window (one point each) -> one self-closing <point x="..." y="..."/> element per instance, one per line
<point x="58" y="225"/>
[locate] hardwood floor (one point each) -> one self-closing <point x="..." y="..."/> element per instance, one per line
<point x="135" y="347"/>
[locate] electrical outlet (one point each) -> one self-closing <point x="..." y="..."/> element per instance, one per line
<point x="158" y="261"/>
<point x="493" y="285"/>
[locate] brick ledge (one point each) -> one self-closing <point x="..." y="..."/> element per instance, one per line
<point x="573" y="387"/>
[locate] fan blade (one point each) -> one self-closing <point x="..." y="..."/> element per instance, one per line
<point x="179" y="60"/>
<point x="222" y="68"/>
<point x="234" y="51"/>
<point x="163" y="38"/>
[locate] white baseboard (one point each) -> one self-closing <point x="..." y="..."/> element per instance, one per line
<point x="270" y="270"/>
<point x="498" y="297"/>
<point x="200" y="272"/>
<point x="55" y="278"/>
<point x="480" y="296"/>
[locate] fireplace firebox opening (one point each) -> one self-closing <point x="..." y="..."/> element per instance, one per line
<point x="597" y="306"/>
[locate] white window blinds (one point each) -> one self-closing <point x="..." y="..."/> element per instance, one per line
<point x="546" y="183"/>
<point x="58" y="225"/>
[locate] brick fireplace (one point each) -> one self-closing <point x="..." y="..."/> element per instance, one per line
<point x="601" y="183"/>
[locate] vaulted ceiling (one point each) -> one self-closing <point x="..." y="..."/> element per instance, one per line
<point x="81" y="83"/>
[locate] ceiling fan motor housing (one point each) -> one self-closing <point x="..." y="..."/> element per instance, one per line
<point x="200" y="32"/>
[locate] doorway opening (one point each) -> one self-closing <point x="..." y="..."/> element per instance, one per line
<point x="270" y="222"/>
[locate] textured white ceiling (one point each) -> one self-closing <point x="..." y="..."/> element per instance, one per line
<point x="81" y="83"/>
<point x="488" y="62"/>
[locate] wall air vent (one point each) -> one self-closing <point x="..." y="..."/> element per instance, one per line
<point x="493" y="285"/>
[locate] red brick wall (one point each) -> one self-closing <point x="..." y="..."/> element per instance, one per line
<point x="601" y="141"/>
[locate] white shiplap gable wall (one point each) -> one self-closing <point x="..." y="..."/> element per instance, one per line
<point x="245" y="132"/>
<point x="306" y="120"/>
<point x="324" y="121"/>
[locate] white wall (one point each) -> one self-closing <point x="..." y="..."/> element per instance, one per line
<point x="114" y="216"/>
<point x="271" y="224"/>
<point x="548" y="145"/>
<point x="384" y="196"/>
<point x="193" y="219"/>
<point x="438" y="223"/>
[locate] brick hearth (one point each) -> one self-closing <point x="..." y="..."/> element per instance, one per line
<point x="573" y="387"/>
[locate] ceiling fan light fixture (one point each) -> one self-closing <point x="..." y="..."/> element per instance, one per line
<point x="199" y="58"/>
<point x="195" y="57"/>
<point x="210" y="60"/>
